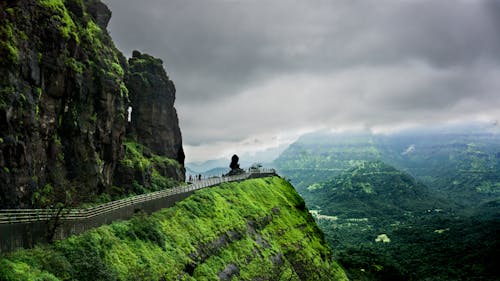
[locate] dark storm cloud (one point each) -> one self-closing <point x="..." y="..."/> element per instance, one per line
<point x="303" y="64"/>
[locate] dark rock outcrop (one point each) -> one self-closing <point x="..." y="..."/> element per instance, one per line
<point x="100" y="12"/>
<point x="63" y="100"/>
<point x="234" y="162"/>
<point x="235" y="166"/>
<point x="154" y="121"/>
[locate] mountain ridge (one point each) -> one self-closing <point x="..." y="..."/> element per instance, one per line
<point x="445" y="231"/>
<point x="386" y="190"/>
<point x="461" y="162"/>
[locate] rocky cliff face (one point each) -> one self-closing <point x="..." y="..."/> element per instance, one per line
<point x="63" y="101"/>
<point x="154" y="121"/>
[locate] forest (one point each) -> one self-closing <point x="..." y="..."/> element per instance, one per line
<point x="417" y="205"/>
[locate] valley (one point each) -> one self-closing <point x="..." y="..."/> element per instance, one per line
<point x="419" y="205"/>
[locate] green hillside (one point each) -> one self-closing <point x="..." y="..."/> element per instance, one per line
<point x="257" y="229"/>
<point x="384" y="225"/>
<point x="317" y="157"/>
<point x="463" y="164"/>
<point x="416" y="205"/>
<point x="371" y="189"/>
<point x="465" y="167"/>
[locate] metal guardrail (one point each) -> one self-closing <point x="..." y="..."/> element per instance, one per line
<point x="9" y="216"/>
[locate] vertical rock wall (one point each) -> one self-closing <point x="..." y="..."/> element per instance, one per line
<point x="63" y="101"/>
<point x="154" y="119"/>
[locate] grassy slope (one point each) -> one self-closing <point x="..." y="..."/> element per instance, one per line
<point x="260" y="226"/>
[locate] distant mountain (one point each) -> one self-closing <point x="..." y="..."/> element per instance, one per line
<point x="461" y="161"/>
<point x="372" y="189"/>
<point x="210" y="173"/>
<point x="215" y="166"/>
<point x="200" y="167"/>
<point x="489" y="210"/>
<point x="317" y="157"/>
<point x="465" y="165"/>
<point x="420" y="204"/>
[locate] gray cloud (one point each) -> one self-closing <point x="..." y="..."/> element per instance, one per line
<point x="305" y="64"/>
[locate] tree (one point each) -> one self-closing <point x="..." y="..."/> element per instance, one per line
<point x="57" y="200"/>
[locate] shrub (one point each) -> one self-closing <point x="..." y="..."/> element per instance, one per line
<point x="85" y="254"/>
<point x="147" y="229"/>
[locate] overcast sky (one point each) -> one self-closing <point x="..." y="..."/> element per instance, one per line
<point x="252" y="74"/>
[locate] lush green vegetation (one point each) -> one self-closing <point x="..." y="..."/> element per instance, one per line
<point x="463" y="164"/>
<point x="135" y="158"/>
<point x="255" y="229"/>
<point x="318" y="157"/>
<point x="433" y="217"/>
<point x="140" y="158"/>
<point x="61" y="16"/>
<point x="8" y="43"/>
<point x="431" y="247"/>
<point x="67" y="38"/>
<point x="384" y="225"/>
<point x="372" y="189"/>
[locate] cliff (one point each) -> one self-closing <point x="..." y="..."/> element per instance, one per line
<point x="64" y="94"/>
<point x="154" y="121"/>
<point x="257" y="229"/>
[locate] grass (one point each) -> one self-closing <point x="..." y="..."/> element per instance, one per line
<point x="134" y="156"/>
<point x="260" y="226"/>
<point x="135" y="159"/>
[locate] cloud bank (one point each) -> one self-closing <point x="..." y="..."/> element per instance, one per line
<point x="255" y="70"/>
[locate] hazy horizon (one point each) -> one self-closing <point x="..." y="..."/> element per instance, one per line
<point x="267" y="155"/>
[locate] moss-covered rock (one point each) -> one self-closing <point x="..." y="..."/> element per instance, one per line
<point x="154" y="121"/>
<point x="61" y="78"/>
<point x="142" y="171"/>
<point x="257" y="229"/>
<point x="58" y="78"/>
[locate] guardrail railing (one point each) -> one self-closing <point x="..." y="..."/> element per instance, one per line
<point x="9" y="216"/>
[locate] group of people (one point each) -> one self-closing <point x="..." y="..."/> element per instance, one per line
<point x="196" y="177"/>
